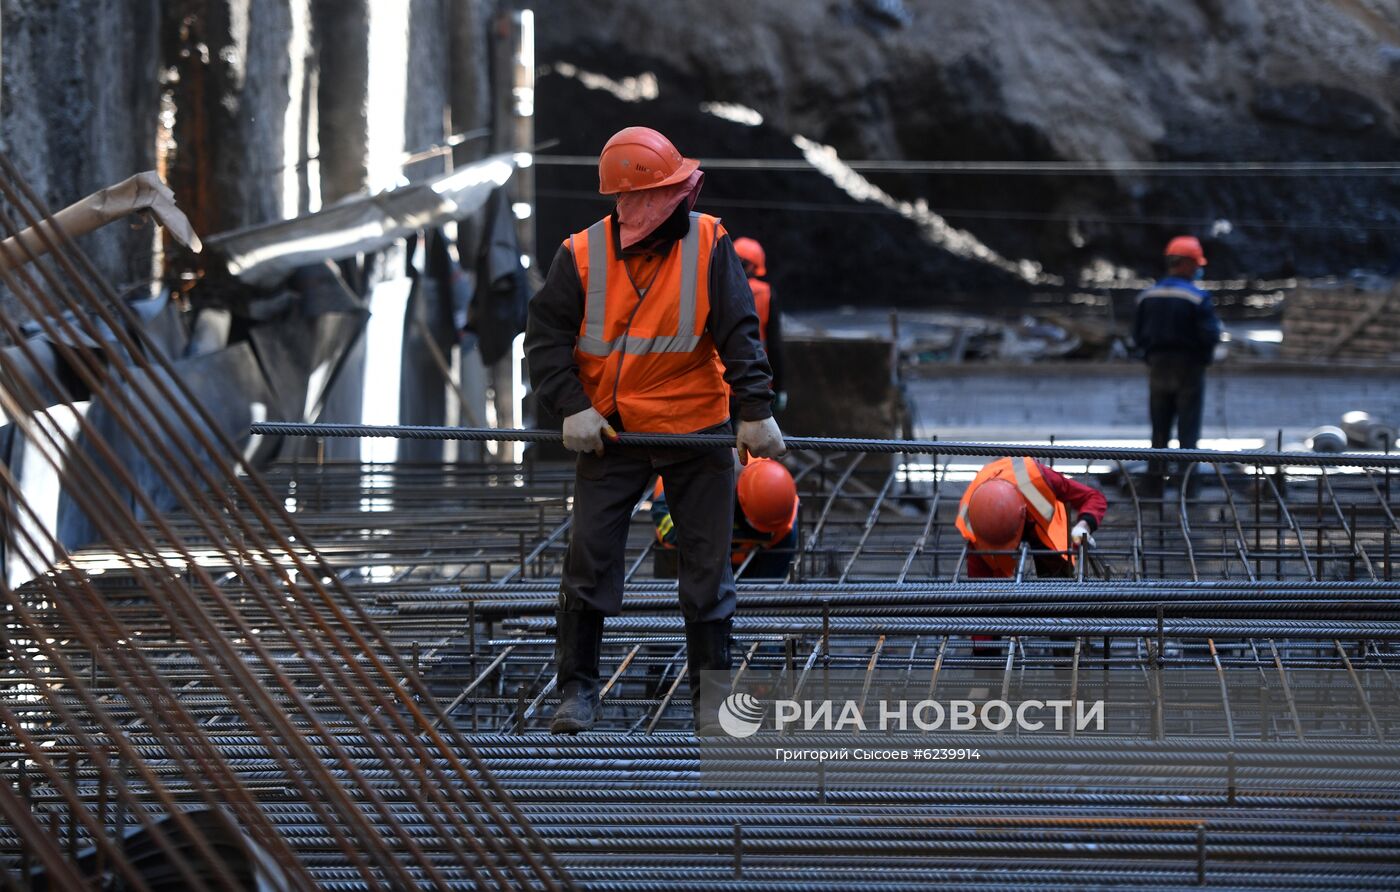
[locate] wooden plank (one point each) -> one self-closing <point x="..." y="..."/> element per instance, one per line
<point x="1326" y="324"/>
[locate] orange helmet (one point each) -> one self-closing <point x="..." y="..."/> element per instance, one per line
<point x="1187" y="246"/>
<point x="997" y="514"/>
<point x="751" y="252"/>
<point x="767" y="495"/>
<point x="641" y="158"/>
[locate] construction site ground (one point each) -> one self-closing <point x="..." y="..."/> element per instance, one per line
<point x="1076" y="401"/>
<point x="457" y="566"/>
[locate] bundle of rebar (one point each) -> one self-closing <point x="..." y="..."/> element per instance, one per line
<point x="80" y="669"/>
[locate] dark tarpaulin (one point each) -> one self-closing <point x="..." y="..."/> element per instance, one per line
<point x="497" y="311"/>
<point x="19" y="375"/>
<point x="302" y="350"/>
<point x="428" y="326"/>
<point x="228" y="384"/>
<point x="164" y="328"/>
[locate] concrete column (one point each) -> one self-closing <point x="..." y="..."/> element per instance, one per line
<point x="470" y="74"/>
<point x="341" y="39"/>
<point x="301" y="186"/>
<point x="426" y="105"/>
<point x="232" y="63"/>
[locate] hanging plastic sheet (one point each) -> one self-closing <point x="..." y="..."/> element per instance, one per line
<point x="266" y="255"/>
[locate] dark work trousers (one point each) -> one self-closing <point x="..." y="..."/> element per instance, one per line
<point x="1176" y="384"/>
<point x="773" y="563"/>
<point x="700" y="493"/>
<point x="1052" y="566"/>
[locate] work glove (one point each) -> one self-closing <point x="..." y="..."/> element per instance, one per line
<point x="1082" y="534"/>
<point x="584" y="431"/>
<point x="760" y="438"/>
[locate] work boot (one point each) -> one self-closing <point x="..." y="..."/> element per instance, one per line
<point x="707" y="655"/>
<point x="1191" y="482"/>
<point x="1151" y="486"/>
<point x="1153" y="483"/>
<point x="579" y="639"/>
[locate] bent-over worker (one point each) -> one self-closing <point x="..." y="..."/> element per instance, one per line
<point x="1019" y="499"/>
<point x="765" y="521"/>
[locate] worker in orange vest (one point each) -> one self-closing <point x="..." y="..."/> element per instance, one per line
<point x="765" y="521"/>
<point x="1012" y="500"/>
<point x="645" y="323"/>
<point x="770" y="317"/>
<point x="1019" y="499"/>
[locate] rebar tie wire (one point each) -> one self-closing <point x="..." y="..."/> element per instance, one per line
<point x="841" y="444"/>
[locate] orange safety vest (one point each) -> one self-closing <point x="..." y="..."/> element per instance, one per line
<point x="647" y="355"/>
<point x="1048" y="514"/>
<point x="762" y="298"/>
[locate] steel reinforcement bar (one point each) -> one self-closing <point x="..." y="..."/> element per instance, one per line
<point x="1007" y="625"/>
<point x="843" y="444"/>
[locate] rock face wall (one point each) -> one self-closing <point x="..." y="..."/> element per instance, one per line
<point x="76" y="75"/>
<point x="1104" y="80"/>
<point x="1095" y="80"/>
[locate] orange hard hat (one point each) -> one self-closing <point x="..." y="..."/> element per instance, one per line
<point x="640" y="158"/>
<point x="751" y="252"/>
<point x="1187" y="246"/>
<point x="997" y="514"/>
<point x="767" y="495"/>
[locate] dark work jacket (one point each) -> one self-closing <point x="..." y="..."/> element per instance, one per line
<point x="1174" y="316"/>
<point x="773" y="341"/>
<point x="556" y="314"/>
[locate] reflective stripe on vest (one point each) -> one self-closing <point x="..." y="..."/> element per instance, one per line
<point x="595" y="307"/>
<point x="1174" y="293"/>
<point x="1032" y="495"/>
<point x="596" y="300"/>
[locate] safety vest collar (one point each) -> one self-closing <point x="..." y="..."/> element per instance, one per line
<point x="592" y="341"/>
<point x="1020" y="467"/>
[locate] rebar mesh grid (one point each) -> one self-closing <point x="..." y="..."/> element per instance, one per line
<point x="1275" y="572"/>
